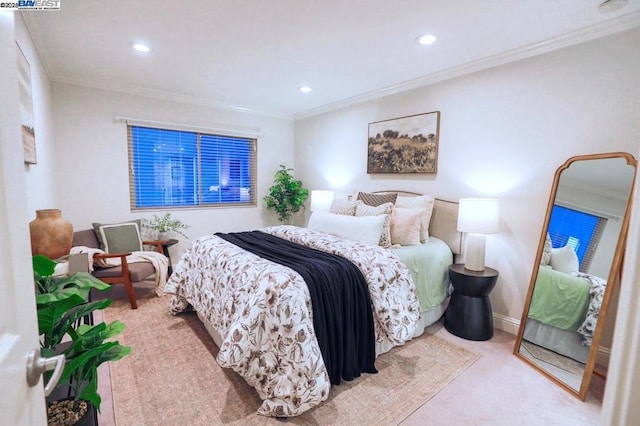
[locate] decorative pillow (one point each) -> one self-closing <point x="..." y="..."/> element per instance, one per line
<point x="405" y="226"/>
<point x="564" y="259"/>
<point x="366" y="229"/>
<point x="119" y="237"/>
<point x="377" y="199"/>
<point x="345" y="207"/>
<point x="363" y="209"/>
<point x="546" y="251"/>
<point x="422" y="201"/>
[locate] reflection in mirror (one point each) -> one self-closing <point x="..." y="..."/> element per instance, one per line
<point x="578" y="265"/>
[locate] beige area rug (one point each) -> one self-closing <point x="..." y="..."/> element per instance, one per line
<point x="172" y="377"/>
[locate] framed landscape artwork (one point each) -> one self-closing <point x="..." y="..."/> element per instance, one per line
<point x="404" y="145"/>
<point x="26" y="109"/>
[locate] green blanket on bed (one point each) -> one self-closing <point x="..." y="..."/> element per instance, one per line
<point x="559" y="299"/>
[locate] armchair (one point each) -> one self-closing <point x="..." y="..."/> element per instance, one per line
<point x="126" y="273"/>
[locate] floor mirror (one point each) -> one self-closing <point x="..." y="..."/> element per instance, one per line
<point x="577" y="268"/>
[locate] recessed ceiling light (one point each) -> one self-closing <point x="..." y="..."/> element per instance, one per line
<point x="427" y="39"/>
<point x="304" y="89"/>
<point x="140" y="47"/>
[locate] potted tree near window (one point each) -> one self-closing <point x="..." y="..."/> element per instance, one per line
<point x="286" y="195"/>
<point x="62" y="304"/>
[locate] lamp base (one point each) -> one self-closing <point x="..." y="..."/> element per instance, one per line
<point x="474" y="256"/>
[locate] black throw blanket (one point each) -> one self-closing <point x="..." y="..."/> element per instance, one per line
<point x="342" y="316"/>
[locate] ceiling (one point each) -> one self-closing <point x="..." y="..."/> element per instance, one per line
<point x="254" y="55"/>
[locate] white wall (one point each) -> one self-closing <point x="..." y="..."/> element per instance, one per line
<point x="41" y="185"/>
<point x="92" y="162"/>
<point x="504" y="131"/>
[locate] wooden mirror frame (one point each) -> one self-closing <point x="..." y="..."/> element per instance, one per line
<point x="612" y="280"/>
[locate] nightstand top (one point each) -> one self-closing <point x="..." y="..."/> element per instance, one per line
<point x="459" y="268"/>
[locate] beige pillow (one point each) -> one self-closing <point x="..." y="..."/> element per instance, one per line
<point x="405" y="226"/>
<point x="422" y="201"/>
<point x="363" y="209"/>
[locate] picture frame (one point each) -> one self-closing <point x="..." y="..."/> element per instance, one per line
<point x="26" y="109"/>
<point x="404" y="145"/>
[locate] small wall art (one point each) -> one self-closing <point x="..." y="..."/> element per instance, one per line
<point x="404" y="145"/>
<point x="26" y="109"/>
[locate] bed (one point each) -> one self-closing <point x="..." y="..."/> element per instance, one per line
<point x="564" y="311"/>
<point x="260" y="315"/>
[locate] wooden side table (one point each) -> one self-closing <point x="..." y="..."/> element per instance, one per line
<point x="469" y="312"/>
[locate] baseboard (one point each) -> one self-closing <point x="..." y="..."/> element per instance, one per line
<point x="504" y="323"/>
<point x="604" y="354"/>
<point x="511" y="325"/>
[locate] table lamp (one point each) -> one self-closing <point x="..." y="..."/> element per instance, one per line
<point x="321" y="200"/>
<point x="477" y="217"/>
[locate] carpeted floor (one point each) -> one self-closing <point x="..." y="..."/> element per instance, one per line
<point x="172" y="377"/>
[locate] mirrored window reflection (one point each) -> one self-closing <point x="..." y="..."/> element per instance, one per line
<point x="579" y="230"/>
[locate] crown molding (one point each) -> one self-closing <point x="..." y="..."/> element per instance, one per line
<point x="170" y="96"/>
<point x="36" y="38"/>
<point x="602" y="29"/>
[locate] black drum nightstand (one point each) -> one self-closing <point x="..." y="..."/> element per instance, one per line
<point x="469" y="312"/>
<point x="165" y="250"/>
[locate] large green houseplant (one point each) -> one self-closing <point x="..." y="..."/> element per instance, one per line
<point x="286" y="195"/>
<point x="61" y="306"/>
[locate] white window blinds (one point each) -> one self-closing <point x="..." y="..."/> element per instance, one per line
<point x="181" y="169"/>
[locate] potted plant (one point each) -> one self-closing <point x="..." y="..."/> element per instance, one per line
<point x="286" y="195"/>
<point x="164" y="225"/>
<point x="61" y="306"/>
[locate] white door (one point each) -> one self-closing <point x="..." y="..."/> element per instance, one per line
<point x="20" y="404"/>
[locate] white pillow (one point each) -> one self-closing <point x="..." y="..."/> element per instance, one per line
<point x="564" y="259"/>
<point x="405" y="226"/>
<point x="363" y="209"/>
<point x="366" y="229"/>
<point x="422" y="201"/>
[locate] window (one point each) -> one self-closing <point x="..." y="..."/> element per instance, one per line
<point x="580" y="231"/>
<point x="180" y="169"/>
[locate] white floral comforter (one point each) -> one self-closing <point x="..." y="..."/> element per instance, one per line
<point x="597" y="287"/>
<point x="262" y="311"/>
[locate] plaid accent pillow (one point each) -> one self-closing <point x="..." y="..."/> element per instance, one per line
<point x="377" y="199"/>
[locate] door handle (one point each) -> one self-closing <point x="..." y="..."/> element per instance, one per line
<point x="37" y="365"/>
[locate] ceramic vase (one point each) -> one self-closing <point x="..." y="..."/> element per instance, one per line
<point x="51" y="234"/>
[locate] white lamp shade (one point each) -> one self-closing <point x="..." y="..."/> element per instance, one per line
<point x="321" y="200"/>
<point x="479" y="215"/>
